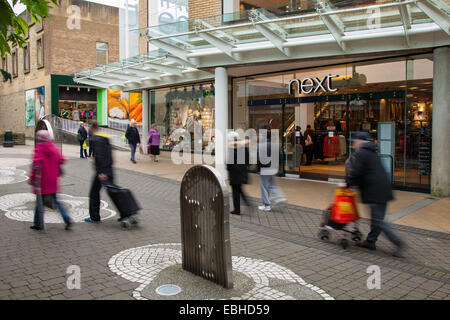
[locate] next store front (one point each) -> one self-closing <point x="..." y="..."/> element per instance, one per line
<point x="390" y="99"/>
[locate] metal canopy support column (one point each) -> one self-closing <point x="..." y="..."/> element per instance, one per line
<point x="272" y="37"/>
<point x="220" y="44"/>
<point x="221" y="118"/>
<point x="124" y="76"/>
<point x="333" y="23"/>
<point x="181" y="62"/>
<point x="405" y="14"/>
<point x="164" y="68"/>
<point x="112" y="80"/>
<point x="146" y="74"/>
<point x="272" y="32"/>
<point x="95" y="83"/>
<point x="201" y="24"/>
<point x="437" y="15"/>
<point x="176" y="51"/>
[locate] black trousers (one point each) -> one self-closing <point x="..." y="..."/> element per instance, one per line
<point x="237" y="193"/>
<point x="309" y="155"/>
<point x="90" y="147"/>
<point x="94" y="197"/>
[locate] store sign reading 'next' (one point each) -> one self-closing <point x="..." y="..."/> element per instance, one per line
<point x="312" y="85"/>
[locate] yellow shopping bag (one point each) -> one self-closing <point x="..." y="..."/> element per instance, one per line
<point x="84" y="145"/>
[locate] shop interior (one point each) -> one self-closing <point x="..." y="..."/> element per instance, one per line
<point x="407" y="104"/>
<point x="186" y="108"/>
<point x="77" y="103"/>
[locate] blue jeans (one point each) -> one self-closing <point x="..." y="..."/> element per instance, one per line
<point x="133" y="151"/>
<point x="268" y="187"/>
<point x="378" y="225"/>
<point x="40" y="208"/>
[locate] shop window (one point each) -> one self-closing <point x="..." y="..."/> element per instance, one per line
<point x="14" y="63"/>
<point x="40" y="52"/>
<point x="366" y="96"/>
<point x="26" y="58"/>
<point x="183" y="108"/>
<point x="101" y="53"/>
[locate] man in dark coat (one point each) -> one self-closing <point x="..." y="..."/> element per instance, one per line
<point x="103" y="170"/>
<point x="133" y="138"/>
<point x="237" y="166"/>
<point x="81" y="137"/>
<point x="364" y="169"/>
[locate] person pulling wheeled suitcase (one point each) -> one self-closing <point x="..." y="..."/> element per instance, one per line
<point x="125" y="203"/>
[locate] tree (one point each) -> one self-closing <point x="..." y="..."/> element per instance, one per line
<point x="13" y="29"/>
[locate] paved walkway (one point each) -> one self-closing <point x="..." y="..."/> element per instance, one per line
<point x="409" y="208"/>
<point x="281" y="245"/>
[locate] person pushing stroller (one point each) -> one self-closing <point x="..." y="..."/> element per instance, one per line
<point x="364" y="169"/>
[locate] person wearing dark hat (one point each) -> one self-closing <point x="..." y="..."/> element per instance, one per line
<point x="364" y="170"/>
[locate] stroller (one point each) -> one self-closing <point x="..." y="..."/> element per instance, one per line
<point x="339" y="216"/>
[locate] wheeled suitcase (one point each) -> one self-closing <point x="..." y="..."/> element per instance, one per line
<point x="123" y="200"/>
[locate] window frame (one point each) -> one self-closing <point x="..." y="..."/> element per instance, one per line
<point x="26" y="58"/>
<point x="15" y="63"/>
<point x="5" y="65"/>
<point x="97" y="50"/>
<point x="41" y="40"/>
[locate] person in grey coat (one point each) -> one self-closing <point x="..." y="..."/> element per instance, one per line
<point x="364" y="170"/>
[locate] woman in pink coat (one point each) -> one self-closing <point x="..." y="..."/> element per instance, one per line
<point x="46" y="169"/>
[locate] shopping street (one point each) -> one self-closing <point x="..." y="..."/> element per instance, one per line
<point x="276" y="255"/>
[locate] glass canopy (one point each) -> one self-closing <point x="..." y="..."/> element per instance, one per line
<point x="317" y="29"/>
<point x="316" y="18"/>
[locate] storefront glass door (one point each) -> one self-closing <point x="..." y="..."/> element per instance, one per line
<point x="291" y="144"/>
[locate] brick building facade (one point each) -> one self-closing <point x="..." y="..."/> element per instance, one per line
<point x="204" y="8"/>
<point x="67" y="47"/>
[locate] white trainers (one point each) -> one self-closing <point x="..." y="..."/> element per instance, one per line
<point x="264" y="208"/>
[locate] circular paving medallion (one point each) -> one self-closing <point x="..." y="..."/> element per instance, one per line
<point x="268" y="280"/>
<point x="20" y="207"/>
<point x="10" y="175"/>
<point x="14" y="162"/>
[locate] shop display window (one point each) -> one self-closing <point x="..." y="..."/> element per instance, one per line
<point x="182" y="108"/>
<point x="78" y="111"/>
